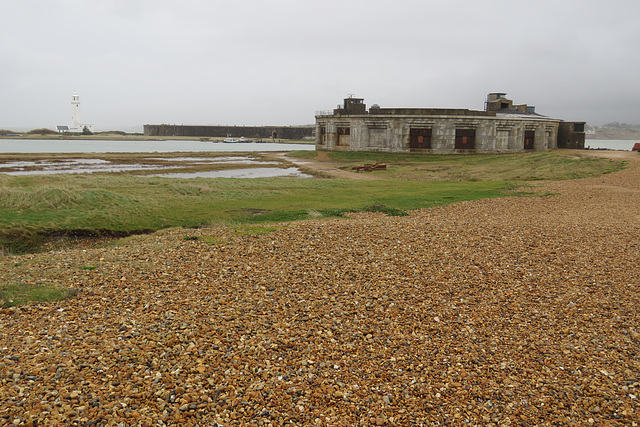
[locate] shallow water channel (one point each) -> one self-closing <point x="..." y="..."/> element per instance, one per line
<point x="183" y="166"/>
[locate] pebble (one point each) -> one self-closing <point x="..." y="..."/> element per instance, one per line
<point x="511" y="311"/>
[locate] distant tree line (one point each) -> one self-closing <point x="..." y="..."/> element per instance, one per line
<point x="617" y="125"/>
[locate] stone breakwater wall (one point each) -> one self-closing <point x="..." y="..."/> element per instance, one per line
<point x="280" y="132"/>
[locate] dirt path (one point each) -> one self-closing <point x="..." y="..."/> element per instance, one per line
<point x="609" y="154"/>
<point x="325" y="166"/>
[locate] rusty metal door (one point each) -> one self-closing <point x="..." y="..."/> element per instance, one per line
<point x="419" y="139"/>
<point x="529" y="139"/>
<point x="465" y="139"/>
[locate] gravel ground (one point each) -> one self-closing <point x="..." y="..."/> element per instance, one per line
<point x="515" y="311"/>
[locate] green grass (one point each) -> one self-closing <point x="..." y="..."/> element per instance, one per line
<point x="550" y="165"/>
<point x="303" y="154"/>
<point x="32" y="207"/>
<point x="14" y="294"/>
<point x="36" y="206"/>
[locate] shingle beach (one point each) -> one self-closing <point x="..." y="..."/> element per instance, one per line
<point x="519" y="311"/>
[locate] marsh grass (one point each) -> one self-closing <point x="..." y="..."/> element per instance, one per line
<point x="34" y="207"/>
<point x="255" y="230"/>
<point x="303" y="154"/>
<point x="19" y="294"/>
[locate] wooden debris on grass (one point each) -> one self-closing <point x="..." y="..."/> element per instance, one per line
<point x="369" y="167"/>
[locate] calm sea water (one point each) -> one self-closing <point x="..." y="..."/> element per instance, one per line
<point x="611" y="144"/>
<point x="94" y="146"/>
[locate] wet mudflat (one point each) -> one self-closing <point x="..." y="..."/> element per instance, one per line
<point x="262" y="172"/>
<point x="212" y="165"/>
<point x="514" y="311"/>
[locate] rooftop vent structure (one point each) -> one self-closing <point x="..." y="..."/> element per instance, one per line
<point x="352" y="106"/>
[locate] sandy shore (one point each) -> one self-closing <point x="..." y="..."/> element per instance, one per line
<point x="514" y="311"/>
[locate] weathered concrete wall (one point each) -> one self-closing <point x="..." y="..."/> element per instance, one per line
<point x="431" y="112"/>
<point x="568" y="137"/>
<point x="391" y="132"/>
<point x="280" y="132"/>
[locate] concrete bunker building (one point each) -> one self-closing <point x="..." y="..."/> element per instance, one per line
<point x="501" y="128"/>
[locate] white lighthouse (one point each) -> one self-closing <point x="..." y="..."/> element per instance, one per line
<point x="76" y="121"/>
<point x="75" y="112"/>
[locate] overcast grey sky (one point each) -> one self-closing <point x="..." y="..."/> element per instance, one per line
<point x="275" y="62"/>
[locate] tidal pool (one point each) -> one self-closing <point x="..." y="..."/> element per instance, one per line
<point x="72" y="166"/>
<point x="239" y="173"/>
<point x="62" y="165"/>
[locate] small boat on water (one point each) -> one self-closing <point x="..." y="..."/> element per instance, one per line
<point x="234" y="139"/>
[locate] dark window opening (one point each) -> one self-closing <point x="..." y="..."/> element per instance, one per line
<point x="529" y="139"/>
<point x="465" y="139"/>
<point x="578" y="127"/>
<point x="420" y="139"/>
<point x="344" y="130"/>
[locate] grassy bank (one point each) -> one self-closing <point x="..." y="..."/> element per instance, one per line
<point x="549" y="165"/>
<point x="34" y="207"/>
<point x="19" y="294"/>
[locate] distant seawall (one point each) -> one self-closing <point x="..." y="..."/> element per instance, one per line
<point x="280" y="132"/>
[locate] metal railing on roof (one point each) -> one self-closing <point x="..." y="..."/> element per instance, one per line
<point x="324" y="113"/>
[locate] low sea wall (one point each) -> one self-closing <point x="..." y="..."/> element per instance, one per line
<point x="280" y="132"/>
